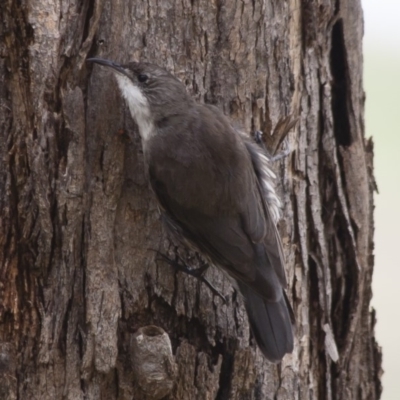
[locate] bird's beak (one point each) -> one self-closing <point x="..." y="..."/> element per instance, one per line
<point x="108" y="63"/>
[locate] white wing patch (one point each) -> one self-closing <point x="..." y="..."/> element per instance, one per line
<point x="267" y="183"/>
<point x="138" y="106"/>
<point x="267" y="180"/>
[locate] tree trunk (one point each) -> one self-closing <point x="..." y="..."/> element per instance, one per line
<point x="79" y="228"/>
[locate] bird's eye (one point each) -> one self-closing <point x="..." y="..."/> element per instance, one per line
<point x="142" y="78"/>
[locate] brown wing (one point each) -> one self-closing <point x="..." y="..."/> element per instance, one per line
<point x="224" y="240"/>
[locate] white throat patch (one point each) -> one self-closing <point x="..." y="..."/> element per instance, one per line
<point x="138" y="106"/>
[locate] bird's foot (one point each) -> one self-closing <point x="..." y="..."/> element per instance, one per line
<point x="284" y="153"/>
<point x="276" y="157"/>
<point x="198" y="273"/>
<point x="272" y="142"/>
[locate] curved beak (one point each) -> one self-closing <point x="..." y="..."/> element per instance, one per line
<point x="108" y="63"/>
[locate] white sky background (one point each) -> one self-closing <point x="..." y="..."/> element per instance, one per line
<point x="382" y="24"/>
<point x="382" y="86"/>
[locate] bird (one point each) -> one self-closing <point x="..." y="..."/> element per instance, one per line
<point x="216" y="188"/>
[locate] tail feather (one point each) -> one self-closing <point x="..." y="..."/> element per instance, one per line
<point x="271" y="323"/>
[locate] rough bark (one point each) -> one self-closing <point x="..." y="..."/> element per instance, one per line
<point x="79" y="225"/>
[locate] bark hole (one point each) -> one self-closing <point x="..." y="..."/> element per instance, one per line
<point x="340" y="86"/>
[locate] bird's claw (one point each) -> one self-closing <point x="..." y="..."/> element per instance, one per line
<point x="284" y="153"/>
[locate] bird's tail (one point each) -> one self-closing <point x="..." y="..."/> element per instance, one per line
<point x="271" y="323"/>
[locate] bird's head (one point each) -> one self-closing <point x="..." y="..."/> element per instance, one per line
<point x="152" y="93"/>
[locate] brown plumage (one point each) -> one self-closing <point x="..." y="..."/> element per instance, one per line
<point x="216" y="190"/>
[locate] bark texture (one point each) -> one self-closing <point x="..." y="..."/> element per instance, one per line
<point x="79" y="225"/>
